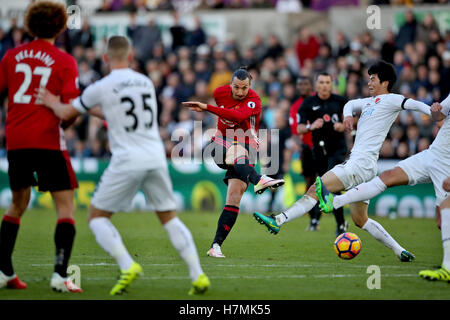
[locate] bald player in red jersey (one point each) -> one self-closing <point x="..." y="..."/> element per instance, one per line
<point x="35" y="139"/>
<point x="235" y="144"/>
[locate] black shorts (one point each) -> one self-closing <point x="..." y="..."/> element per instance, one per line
<point x="50" y="170"/>
<point x="219" y="149"/>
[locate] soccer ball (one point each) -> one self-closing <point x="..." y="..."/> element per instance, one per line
<point x="347" y="245"/>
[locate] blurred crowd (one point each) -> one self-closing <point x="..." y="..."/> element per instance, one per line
<point x="282" y="5"/>
<point x="195" y="64"/>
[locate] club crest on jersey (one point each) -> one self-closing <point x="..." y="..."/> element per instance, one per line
<point x="377" y="100"/>
<point x="251" y="105"/>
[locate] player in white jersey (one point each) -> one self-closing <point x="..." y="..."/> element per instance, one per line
<point x="128" y="103"/>
<point x="431" y="165"/>
<point x="377" y="115"/>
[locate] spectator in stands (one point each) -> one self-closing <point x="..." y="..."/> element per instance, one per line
<point x="307" y="46"/>
<point x="178" y="32"/>
<point x="407" y="32"/>
<point x="196" y="36"/>
<point x="426" y="27"/>
<point x="83" y="37"/>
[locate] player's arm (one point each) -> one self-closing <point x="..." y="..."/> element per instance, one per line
<point x="350" y="107"/>
<point x="304" y="127"/>
<point x="340" y="126"/>
<point x="237" y="115"/>
<point x="66" y="111"/>
<point x="411" y="104"/>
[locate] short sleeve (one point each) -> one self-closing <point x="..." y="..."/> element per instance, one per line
<point x="397" y="101"/>
<point x="303" y="113"/>
<point x="90" y="97"/>
<point x="70" y="88"/>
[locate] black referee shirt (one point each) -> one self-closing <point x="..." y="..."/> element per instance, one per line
<point x="331" y="111"/>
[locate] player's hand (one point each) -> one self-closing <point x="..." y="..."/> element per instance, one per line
<point x="46" y="98"/>
<point x="195" y="105"/>
<point x="436" y="107"/>
<point x="348" y="123"/>
<point x="446" y="184"/>
<point x="339" y="127"/>
<point x="317" y="124"/>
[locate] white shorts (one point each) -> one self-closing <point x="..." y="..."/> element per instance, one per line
<point x="356" y="170"/>
<point x="426" y="167"/>
<point x="116" y="189"/>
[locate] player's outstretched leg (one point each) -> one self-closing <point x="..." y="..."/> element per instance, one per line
<point x="269" y="221"/>
<point x="324" y="196"/>
<point x="298" y="209"/>
<point x="379" y="233"/>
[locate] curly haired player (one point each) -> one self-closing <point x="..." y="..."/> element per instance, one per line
<point x="35" y="140"/>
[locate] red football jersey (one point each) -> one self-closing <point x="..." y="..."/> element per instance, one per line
<point x="29" y="124"/>
<point x="294" y="119"/>
<point x="237" y="114"/>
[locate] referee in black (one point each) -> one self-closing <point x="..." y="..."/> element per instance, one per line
<point x="322" y="115"/>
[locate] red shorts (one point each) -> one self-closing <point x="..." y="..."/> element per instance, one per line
<point x="50" y="170"/>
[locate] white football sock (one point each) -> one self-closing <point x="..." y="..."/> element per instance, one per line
<point x="445" y="230"/>
<point x="182" y="240"/>
<point x="298" y="209"/>
<point x="110" y="240"/>
<point x="378" y="232"/>
<point x="362" y="192"/>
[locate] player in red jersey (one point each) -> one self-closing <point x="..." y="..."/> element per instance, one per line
<point x="235" y="145"/>
<point x="305" y="90"/>
<point x="35" y="140"/>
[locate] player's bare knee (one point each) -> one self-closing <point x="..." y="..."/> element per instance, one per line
<point x="97" y="213"/>
<point x="166" y="216"/>
<point x="312" y="191"/>
<point x="445" y="204"/>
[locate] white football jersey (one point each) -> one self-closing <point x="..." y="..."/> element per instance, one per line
<point x="128" y="102"/>
<point x="441" y="144"/>
<point x="377" y="116"/>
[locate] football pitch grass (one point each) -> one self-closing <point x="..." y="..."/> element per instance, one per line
<point x="294" y="265"/>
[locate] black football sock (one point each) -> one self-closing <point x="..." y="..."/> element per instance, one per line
<point x="272" y="199"/>
<point x="245" y="170"/>
<point x="64" y="236"/>
<point x="315" y="214"/>
<point x="8" y="235"/>
<point x="225" y="223"/>
<point x="339" y="216"/>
